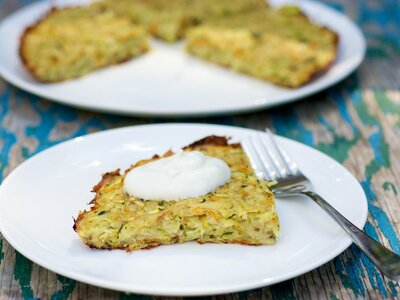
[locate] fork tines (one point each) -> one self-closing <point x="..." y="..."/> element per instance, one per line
<point x="267" y="158"/>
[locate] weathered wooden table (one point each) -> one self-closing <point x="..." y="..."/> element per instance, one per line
<point x="357" y="122"/>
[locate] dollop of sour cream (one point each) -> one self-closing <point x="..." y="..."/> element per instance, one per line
<point x="182" y="175"/>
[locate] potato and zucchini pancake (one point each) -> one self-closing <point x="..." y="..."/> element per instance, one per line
<point x="278" y="45"/>
<point x="71" y="42"/>
<point x="169" y="20"/>
<point x="241" y="211"/>
<point x="162" y="19"/>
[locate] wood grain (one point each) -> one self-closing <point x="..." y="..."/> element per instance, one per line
<point x="357" y="122"/>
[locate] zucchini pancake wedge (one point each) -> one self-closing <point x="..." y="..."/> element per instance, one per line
<point x="241" y="211"/>
<point x="162" y="19"/>
<point x="71" y="42"/>
<point x="278" y="45"/>
<point x="168" y="20"/>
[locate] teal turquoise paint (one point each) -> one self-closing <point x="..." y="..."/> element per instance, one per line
<point x="340" y="102"/>
<point x="90" y="124"/>
<point x="384" y="222"/>
<point x="42" y="130"/>
<point x="354" y="270"/>
<point x="25" y="152"/>
<point x="339" y="148"/>
<point x="393" y="286"/>
<point x="388" y="231"/>
<point x="61" y="112"/>
<point x="337" y="6"/>
<point x="22" y="274"/>
<point x="8" y="138"/>
<point x="360" y="106"/>
<point x="388" y="107"/>
<point x="351" y="273"/>
<point x="368" y="190"/>
<point x="49" y="117"/>
<point x="29" y="1"/>
<point x="381" y="159"/>
<point x="345" y="278"/>
<point x="288" y="124"/>
<point x="390" y="186"/>
<point x="374" y="275"/>
<point x="387" y="19"/>
<point x="376" y="52"/>
<point x="67" y="287"/>
<point x="380" y="148"/>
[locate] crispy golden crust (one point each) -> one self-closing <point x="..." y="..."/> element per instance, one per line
<point x="22" y="43"/>
<point x="104" y="178"/>
<point x="31" y="30"/>
<point x="211" y="141"/>
<point x="269" y="45"/>
<point x="95" y="189"/>
<point x="240" y="242"/>
<point x="328" y="64"/>
<point x="312" y="75"/>
<point x="336" y="44"/>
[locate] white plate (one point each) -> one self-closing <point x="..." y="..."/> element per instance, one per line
<point x="169" y="82"/>
<point x="39" y="199"/>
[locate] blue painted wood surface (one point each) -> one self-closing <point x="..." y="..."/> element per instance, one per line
<point x="357" y="122"/>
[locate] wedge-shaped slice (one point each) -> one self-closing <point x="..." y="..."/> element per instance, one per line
<point x="269" y="57"/>
<point x="169" y="20"/>
<point x="166" y="20"/>
<point x="71" y="42"/>
<point x="211" y="10"/>
<point x="287" y="22"/>
<point x="278" y="45"/>
<point x="242" y="211"/>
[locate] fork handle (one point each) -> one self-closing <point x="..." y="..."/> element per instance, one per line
<point x="386" y="260"/>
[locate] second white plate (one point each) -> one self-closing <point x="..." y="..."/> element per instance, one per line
<point x="40" y="197"/>
<point x="169" y="82"/>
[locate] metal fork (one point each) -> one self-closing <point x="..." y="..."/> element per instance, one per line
<point x="272" y="163"/>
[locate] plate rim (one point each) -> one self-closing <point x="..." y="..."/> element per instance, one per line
<point x="197" y="291"/>
<point x="252" y="105"/>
